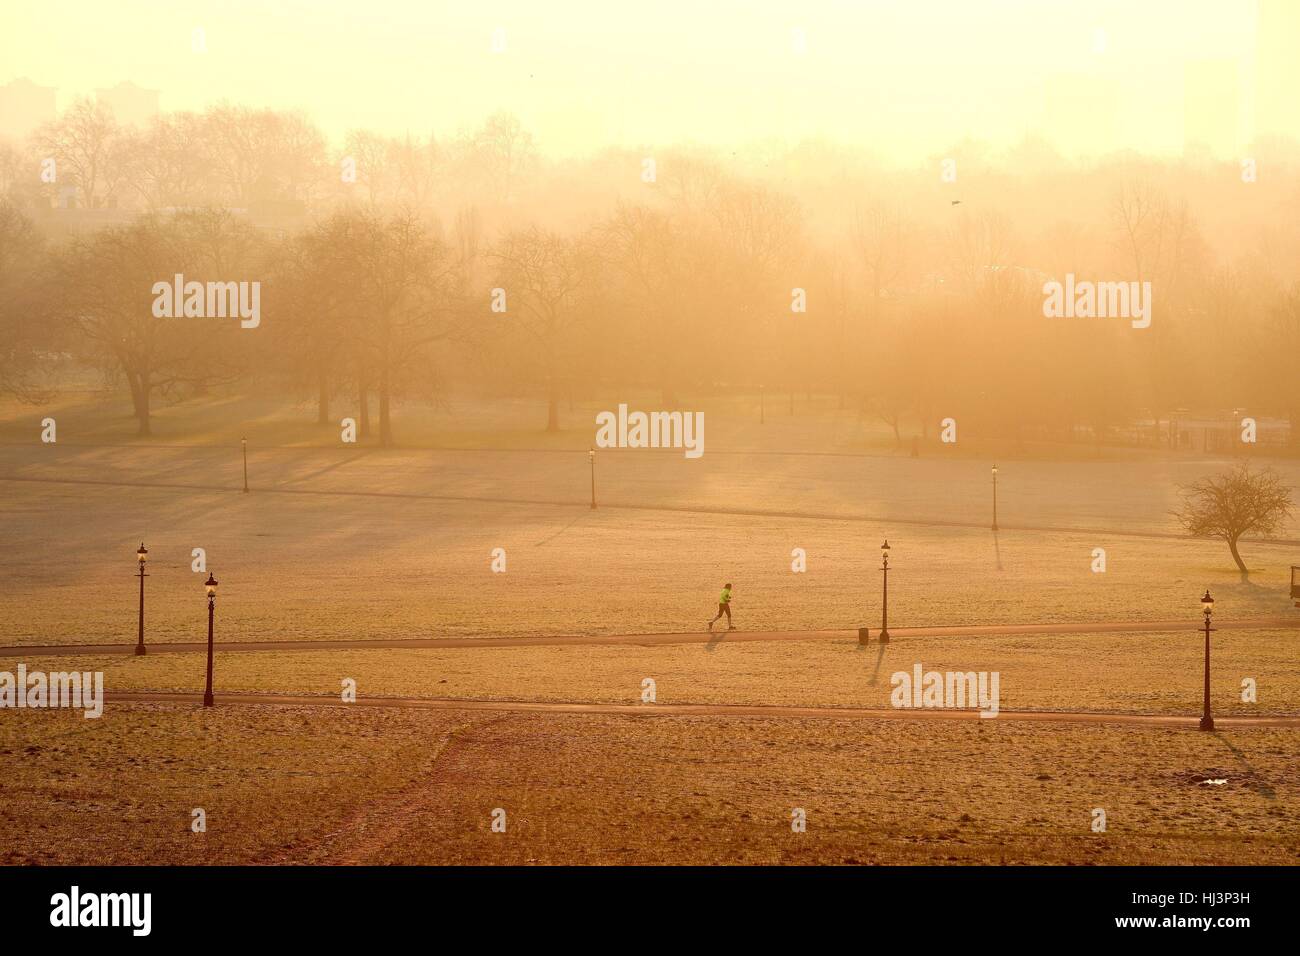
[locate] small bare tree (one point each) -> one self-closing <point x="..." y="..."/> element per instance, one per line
<point x="1235" y="503"/>
<point x="551" y="276"/>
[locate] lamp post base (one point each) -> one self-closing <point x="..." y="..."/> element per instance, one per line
<point x="139" y="650"/>
<point x="207" y="700"/>
<point x="1207" y="722"/>
<point x="884" y="636"/>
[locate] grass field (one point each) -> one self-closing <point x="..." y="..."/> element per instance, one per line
<point x="297" y="564"/>
<point x="363" y="544"/>
<point x="1131" y="673"/>
<point x="319" y="785"/>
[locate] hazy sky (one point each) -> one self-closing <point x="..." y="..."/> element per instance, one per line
<point x="906" y="78"/>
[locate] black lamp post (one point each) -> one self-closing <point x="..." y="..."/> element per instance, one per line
<point x="884" y="608"/>
<point x="211" y="585"/>
<point x="140" y="557"/>
<point x="1207" y="608"/>
<point x="995" y="497"/>
<point x="591" y="454"/>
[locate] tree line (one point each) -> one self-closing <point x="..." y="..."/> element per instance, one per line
<point x="419" y="264"/>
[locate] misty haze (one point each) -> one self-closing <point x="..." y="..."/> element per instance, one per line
<point x="809" y="434"/>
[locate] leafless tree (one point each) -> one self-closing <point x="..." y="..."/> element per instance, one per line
<point x="1235" y="503"/>
<point x="407" y="288"/>
<point x="23" y="330"/>
<point x="878" y="238"/>
<point x="105" y="283"/>
<point x="82" y="142"/>
<point x="546" y="277"/>
<point x="503" y="151"/>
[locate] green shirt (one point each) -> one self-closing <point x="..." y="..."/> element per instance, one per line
<point x="725" y="596"/>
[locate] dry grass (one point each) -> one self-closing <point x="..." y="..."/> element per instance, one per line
<point x="1135" y="673"/>
<point x="302" y="567"/>
<point x="356" y="544"/>
<point x="327" y="785"/>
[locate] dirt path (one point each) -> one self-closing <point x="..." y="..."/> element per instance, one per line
<point x="702" y="710"/>
<point x="381" y="822"/>
<point x="650" y="640"/>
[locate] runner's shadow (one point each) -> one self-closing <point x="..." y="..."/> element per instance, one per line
<point x="880" y="656"/>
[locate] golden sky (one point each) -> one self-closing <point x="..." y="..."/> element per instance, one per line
<point x="906" y="78"/>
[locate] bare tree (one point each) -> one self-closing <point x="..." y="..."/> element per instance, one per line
<point x="311" y="297"/>
<point x="375" y="162"/>
<point x="654" y="260"/>
<point x="167" y="165"/>
<point x="23" y="330"/>
<point x="878" y="238"/>
<point x="1233" y="504"/>
<point x="105" y="289"/>
<point x="503" y="151"/>
<point x="407" y="294"/>
<point x="82" y="143"/>
<point x="546" y="277"/>
<point x="263" y="155"/>
<point x="761" y="243"/>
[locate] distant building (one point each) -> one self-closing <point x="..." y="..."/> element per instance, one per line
<point x="24" y="106"/>
<point x="131" y="105"/>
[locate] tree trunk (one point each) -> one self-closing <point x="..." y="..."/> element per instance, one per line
<point x="552" y="407"/>
<point x="140" y="389"/>
<point x="1241" y="565"/>
<point x="363" y="400"/>
<point x="385" y="421"/>
<point x="322" y="398"/>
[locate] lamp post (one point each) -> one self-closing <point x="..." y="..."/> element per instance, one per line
<point x="140" y="558"/>
<point x="1207" y="608"/>
<point x="244" y="443"/>
<point x="211" y="585"/>
<point x="884" y="607"/>
<point x="591" y="454"/>
<point x="995" y="497"/>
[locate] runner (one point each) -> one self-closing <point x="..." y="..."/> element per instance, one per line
<point x="724" y="607"/>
